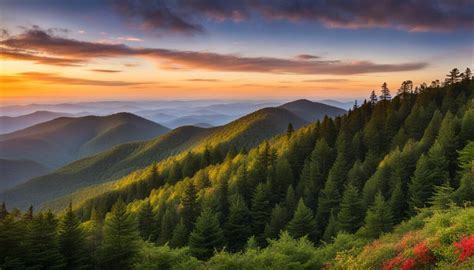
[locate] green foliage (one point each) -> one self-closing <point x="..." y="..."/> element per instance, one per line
<point x="207" y="236"/>
<point x="72" y="241"/>
<point x="378" y="220"/>
<point x="119" y="246"/>
<point x="237" y="230"/>
<point x="302" y="223"/>
<point x="351" y="214"/>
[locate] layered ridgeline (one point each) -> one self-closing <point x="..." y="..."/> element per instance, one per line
<point x="57" y="142"/>
<point x="10" y="124"/>
<point x="343" y="181"/>
<point x="243" y="133"/>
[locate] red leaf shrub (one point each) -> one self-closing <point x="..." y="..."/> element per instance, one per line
<point x="392" y="263"/>
<point x="422" y="253"/>
<point x="465" y="247"/>
<point x="408" y="264"/>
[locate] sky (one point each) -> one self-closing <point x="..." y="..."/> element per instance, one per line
<point x="83" y="50"/>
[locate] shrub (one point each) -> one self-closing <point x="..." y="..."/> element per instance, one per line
<point x="465" y="247"/>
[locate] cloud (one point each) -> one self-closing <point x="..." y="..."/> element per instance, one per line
<point x="105" y="70"/>
<point x="307" y="57"/>
<point x="187" y="16"/>
<point x="77" y="51"/>
<point x="132" y="39"/>
<point x="328" y="80"/>
<point x="57" y="79"/>
<point x="203" y="80"/>
<point x="15" y="54"/>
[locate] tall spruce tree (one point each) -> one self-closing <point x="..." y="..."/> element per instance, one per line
<point x="72" y="241"/>
<point x="189" y="205"/>
<point x="146" y="221"/>
<point x="207" y="236"/>
<point x="378" y="220"/>
<point x="278" y="221"/>
<point x="119" y="246"/>
<point x="180" y="235"/>
<point x="260" y="212"/>
<point x="351" y="214"/>
<point x="237" y="230"/>
<point x="302" y="223"/>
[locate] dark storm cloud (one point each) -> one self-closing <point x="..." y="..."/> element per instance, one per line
<point x="50" y="46"/>
<point x="187" y="16"/>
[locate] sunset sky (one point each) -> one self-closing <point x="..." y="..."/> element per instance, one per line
<point x="79" y="50"/>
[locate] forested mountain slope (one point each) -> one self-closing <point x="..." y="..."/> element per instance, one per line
<point x="245" y="132"/>
<point x="376" y="165"/>
<point x="338" y="183"/>
<point x="57" y="142"/>
<point x="312" y="111"/>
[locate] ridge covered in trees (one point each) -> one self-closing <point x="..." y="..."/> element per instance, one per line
<point x="333" y="185"/>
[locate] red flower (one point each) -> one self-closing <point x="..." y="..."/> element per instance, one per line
<point x="408" y="264"/>
<point x="465" y="247"/>
<point x="422" y="253"/>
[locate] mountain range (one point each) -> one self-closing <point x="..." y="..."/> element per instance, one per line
<point x="122" y="159"/>
<point x="55" y="143"/>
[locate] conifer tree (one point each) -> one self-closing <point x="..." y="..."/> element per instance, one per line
<point x="465" y="192"/>
<point x="207" y="235"/>
<point x="168" y="222"/>
<point x="260" y="212"/>
<point x="328" y="200"/>
<point x="302" y="222"/>
<point x="385" y="92"/>
<point x="398" y="204"/>
<point x="442" y="197"/>
<point x="146" y="221"/>
<point x="120" y="238"/>
<point x="331" y="229"/>
<point x="189" y="205"/>
<point x="373" y="98"/>
<point x="72" y="241"/>
<point x="453" y="76"/>
<point x="12" y="248"/>
<point x="237" y="230"/>
<point x="42" y="243"/>
<point x="290" y="201"/>
<point x="283" y="178"/>
<point x="351" y="213"/>
<point x="431" y="169"/>
<point x="278" y="221"/>
<point x="222" y="194"/>
<point x="180" y="235"/>
<point x="378" y="220"/>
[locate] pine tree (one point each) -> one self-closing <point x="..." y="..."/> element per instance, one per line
<point x="373" y="98"/>
<point x="222" y="194"/>
<point x="453" y="76"/>
<point x="351" y="213"/>
<point x="189" y="205"/>
<point x="260" y="212"/>
<point x="278" y="221"/>
<point x="328" y="200"/>
<point x="72" y="241"/>
<point x="146" y="221"/>
<point x="283" y="178"/>
<point x="168" y="222"/>
<point x="180" y="235"/>
<point x="331" y="229"/>
<point x="42" y="243"/>
<point x="398" y="204"/>
<point x="442" y="197"/>
<point x="385" y="92"/>
<point x="465" y="192"/>
<point x="378" y="220"/>
<point x="207" y="236"/>
<point x="302" y="222"/>
<point x="120" y="238"/>
<point x="431" y="169"/>
<point x="467" y="75"/>
<point x="12" y="248"/>
<point x="237" y="230"/>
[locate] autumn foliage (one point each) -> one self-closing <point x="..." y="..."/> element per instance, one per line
<point x="465" y="247"/>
